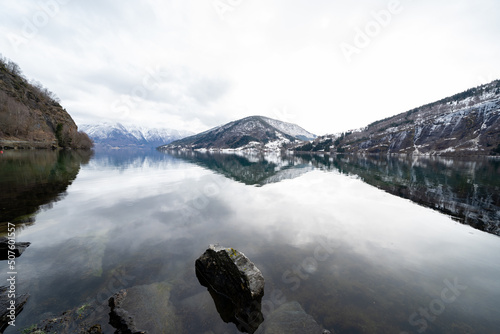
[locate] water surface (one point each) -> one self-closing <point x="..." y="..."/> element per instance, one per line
<point x="356" y="258"/>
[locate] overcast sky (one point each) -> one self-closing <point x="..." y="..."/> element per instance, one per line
<point x="326" y="65"/>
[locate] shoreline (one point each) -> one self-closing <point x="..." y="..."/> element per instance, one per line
<point x="26" y="145"/>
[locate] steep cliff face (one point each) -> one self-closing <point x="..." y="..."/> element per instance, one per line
<point x="464" y="124"/>
<point x="31" y="116"/>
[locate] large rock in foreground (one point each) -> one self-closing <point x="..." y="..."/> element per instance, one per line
<point x="235" y="284"/>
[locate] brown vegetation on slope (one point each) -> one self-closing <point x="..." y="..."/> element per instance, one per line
<point x="31" y="116"/>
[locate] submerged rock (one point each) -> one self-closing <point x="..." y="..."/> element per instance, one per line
<point x="88" y="318"/>
<point x="144" y="309"/>
<point x="290" y="318"/>
<point x="19" y="248"/>
<point x="139" y="309"/>
<point x="235" y="284"/>
<point x="6" y="314"/>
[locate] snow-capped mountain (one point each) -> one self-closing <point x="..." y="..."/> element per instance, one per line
<point x="254" y="132"/>
<point x="116" y="135"/>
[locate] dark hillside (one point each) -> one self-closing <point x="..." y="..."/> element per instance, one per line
<point x="466" y="123"/>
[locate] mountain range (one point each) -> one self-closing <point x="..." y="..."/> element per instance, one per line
<point x="116" y="135"/>
<point x="466" y="123"/>
<point x="254" y="132"/>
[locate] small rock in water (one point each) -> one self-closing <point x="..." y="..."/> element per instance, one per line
<point x="19" y="248"/>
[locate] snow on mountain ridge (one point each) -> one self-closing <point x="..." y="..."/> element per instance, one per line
<point x="119" y="135"/>
<point x="290" y="129"/>
<point x="102" y="130"/>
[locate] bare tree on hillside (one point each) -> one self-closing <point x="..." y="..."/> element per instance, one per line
<point x="15" y="119"/>
<point x="82" y="141"/>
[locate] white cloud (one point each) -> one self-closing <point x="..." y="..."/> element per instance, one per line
<point x="276" y="58"/>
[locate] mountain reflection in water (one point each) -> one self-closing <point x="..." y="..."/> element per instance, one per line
<point x="466" y="189"/>
<point x="251" y="169"/>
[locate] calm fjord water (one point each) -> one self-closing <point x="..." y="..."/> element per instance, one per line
<point x="355" y="257"/>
